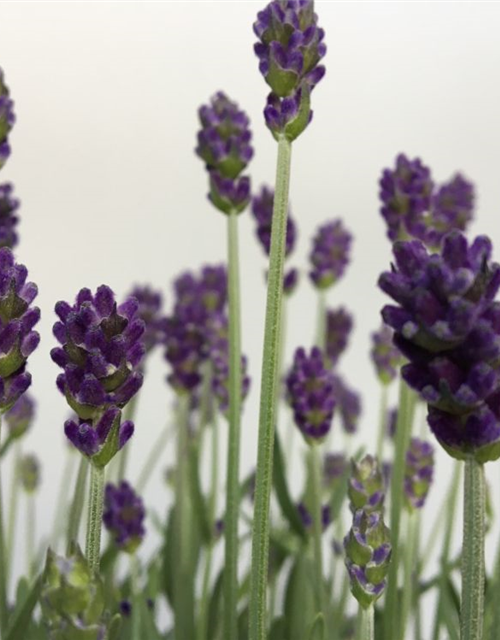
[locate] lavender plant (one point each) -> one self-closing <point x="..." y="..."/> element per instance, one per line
<point x="440" y="339"/>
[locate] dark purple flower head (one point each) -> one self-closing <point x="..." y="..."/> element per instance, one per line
<point x="330" y="254"/>
<point x="306" y="517"/>
<point x="29" y="472"/>
<point x="385" y="356"/>
<point x="124" y="515"/>
<point x="20" y="416"/>
<point x="262" y="210"/>
<point x="229" y="195"/>
<point x="414" y="208"/>
<point x="198" y="298"/>
<point x="17" y="320"/>
<point x="290" y="45"/>
<point x="348" y="404"/>
<point x="366" y="485"/>
<point x="7" y="119"/>
<point x="290" y="281"/>
<point x="288" y="116"/>
<point x="334" y="467"/>
<point x="448" y="326"/>
<point x="101" y="349"/>
<point x="8" y="216"/>
<point x="418" y="473"/>
<point x="310" y="386"/>
<point x="224" y="138"/>
<point x="218" y="345"/>
<point x="150" y="312"/>
<point x="339" y="323"/>
<point x="368" y="554"/>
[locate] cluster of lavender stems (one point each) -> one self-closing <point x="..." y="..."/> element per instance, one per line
<point x="439" y="338"/>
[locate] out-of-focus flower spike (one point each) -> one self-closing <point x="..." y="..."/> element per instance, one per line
<point x="330" y="254"/>
<point x="366" y="485"/>
<point x="124" y="515"/>
<point x="385" y="356"/>
<point x="419" y="472"/>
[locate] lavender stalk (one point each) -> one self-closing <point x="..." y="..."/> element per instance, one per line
<point x="76" y="509"/>
<point x="3" y="562"/>
<point x="96" y="505"/>
<point x="367" y="623"/>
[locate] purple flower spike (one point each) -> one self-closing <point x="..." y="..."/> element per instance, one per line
<point x="339" y="325"/>
<point x="348" y="403"/>
<point x="290" y="281"/>
<point x="20" y="417"/>
<point x="262" y="210"/>
<point x="334" y="467"/>
<point x="218" y="345"/>
<point x="414" y="208"/>
<point x="330" y="254"/>
<point x="7" y="119"/>
<point x="124" y="515"/>
<point x="310" y="386"/>
<point x="366" y="485"/>
<point x="447" y="324"/>
<point x="224" y="145"/>
<point x="385" y="356"/>
<point x="418" y="473"/>
<point x="290" y="48"/>
<point x="150" y="312"/>
<point x="8" y="216"/>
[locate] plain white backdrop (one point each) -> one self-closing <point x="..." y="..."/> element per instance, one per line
<point x="106" y="98"/>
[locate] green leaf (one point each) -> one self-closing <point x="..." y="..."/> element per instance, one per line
<point x="299" y="598"/>
<point x="277" y="631"/>
<point x="114" y="627"/>
<point x="199" y="504"/>
<point x="21" y="617"/>
<point x="318" y="628"/>
<point x="288" y="508"/>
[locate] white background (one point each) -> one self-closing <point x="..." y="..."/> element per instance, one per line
<point x="112" y="192"/>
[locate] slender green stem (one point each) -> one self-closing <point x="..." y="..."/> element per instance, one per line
<point x="94" y="523"/>
<point x="136" y="610"/>
<point x="382" y="426"/>
<point x="321" y="320"/>
<point x="269" y="396"/>
<point x="153" y="458"/>
<point x="3" y="563"/>
<point x="30" y="534"/>
<point x="410" y="569"/>
<point x="366" y="623"/>
<point x="13" y="503"/>
<point x="403" y="433"/>
<point x="184" y="585"/>
<point x="76" y="509"/>
<point x="318" y="532"/>
<point x="472" y="607"/>
<point x="128" y="414"/>
<point x="233" y="452"/>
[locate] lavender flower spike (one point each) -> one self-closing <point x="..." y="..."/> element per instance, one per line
<point x="124" y="515"/>
<point x="310" y="386"/>
<point x="224" y="145"/>
<point x="262" y="210"/>
<point x="330" y="254"/>
<point x="8" y="216"/>
<point x="385" y="356"/>
<point x="20" y="416"/>
<point x="150" y="312"/>
<point x="366" y="485"/>
<point x="418" y="473"/>
<point x="448" y="326"/>
<point x="100" y="353"/>
<point x="339" y="323"/>
<point x="17" y="319"/>
<point x="348" y="403"/>
<point x="290" y="48"/>
<point x="7" y="119"/>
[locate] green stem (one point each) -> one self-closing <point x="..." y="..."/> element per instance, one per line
<point x="3" y="564"/>
<point x="136" y="609"/>
<point x="128" y="414"/>
<point x="318" y="532"/>
<point x="233" y="452"/>
<point x="153" y="458"/>
<point x="382" y="427"/>
<point x="76" y="509"/>
<point x="13" y="503"/>
<point x="410" y="569"/>
<point x="94" y="523"/>
<point x="472" y="608"/>
<point x="184" y="586"/>
<point x="30" y="534"/>
<point x="321" y="321"/>
<point x="62" y="500"/>
<point x="269" y="396"/>
<point x="402" y="441"/>
<point x="366" y="623"/>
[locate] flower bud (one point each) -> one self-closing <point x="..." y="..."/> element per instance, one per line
<point x="366" y="485"/>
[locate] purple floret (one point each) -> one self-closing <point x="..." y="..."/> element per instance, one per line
<point x="339" y="324"/>
<point x="310" y="386"/>
<point x="8" y="216"/>
<point x="385" y="356"/>
<point x="124" y="515"/>
<point x="419" y="472"/>
<point x="330" y="254"/>
<point x="262" y="210"/>
<point x="150" y="312"/>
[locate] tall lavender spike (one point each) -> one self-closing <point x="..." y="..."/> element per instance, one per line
<point x="448" y="326"/>
<point x="290" y="48"/>
<point x="330" y="254"/>
<point x="348" y="403"/>
<point x="7" y="119"/>
<point x="366" y="485"/>
<point x="414" y="207"/>
<point x="385" y="356"/>
<point x="17" y="319"/>
<point x="100" y="354"/>
<point x="310" y="387"/>
<point x="20" y="416"/>
<point x="150" y="312"/>
<point x="334" y="467"/>
<point x="224" y="146"/>
<point x="418" y="473"/>
<point x="8" y="216"/>
<point x="124" y="515"/>
<point x="339" y="324"/>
